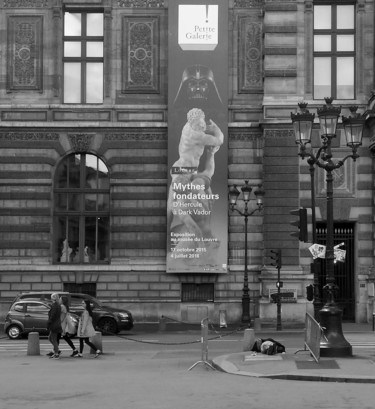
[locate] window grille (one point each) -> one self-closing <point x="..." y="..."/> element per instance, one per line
<point x="202" y="292"/>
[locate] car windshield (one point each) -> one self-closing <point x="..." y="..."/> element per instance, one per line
<point x="94" y="301"/>
<point x="76" y="301"/>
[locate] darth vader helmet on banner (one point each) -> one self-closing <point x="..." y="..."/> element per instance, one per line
<point x="197" y="86"/>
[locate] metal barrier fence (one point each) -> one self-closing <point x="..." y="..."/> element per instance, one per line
<point x="204" y="342"/>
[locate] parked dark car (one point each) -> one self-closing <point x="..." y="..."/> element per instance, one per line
<point x="106" y="319"/>
<point x="26" y="316"/>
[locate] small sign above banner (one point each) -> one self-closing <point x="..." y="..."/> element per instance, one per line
<point x="198" y="26"/>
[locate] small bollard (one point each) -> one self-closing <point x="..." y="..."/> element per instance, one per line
<point x="223" y="318"/>
<point x="248" y="339"/>
<point x="97" y="341"/>
<point x="33" y="347"/>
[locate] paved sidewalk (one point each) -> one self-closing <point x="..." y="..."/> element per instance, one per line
<point x="297" y="364"/>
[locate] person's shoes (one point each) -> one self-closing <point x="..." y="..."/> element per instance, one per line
<point x="75" y="353"/>
<point x="78" y="355"/>
<point x="59" y="353"/>
<point x="50" y="354"/>
<point x="55" y="356"/>
<point x="98" y="352"/>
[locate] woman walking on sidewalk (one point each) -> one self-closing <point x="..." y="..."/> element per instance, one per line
<point x="86" y="329"/>
<point x="68" y="329"/>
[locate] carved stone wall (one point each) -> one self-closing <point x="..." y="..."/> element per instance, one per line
<point x="141" y="3"/>
<point x="250" y="62"/>
<point x="25" y="4"/>
<point x="140" y="55"/>
<point x="25" y="53"/>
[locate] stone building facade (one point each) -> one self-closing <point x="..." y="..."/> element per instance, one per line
<point x="45" y="134"/>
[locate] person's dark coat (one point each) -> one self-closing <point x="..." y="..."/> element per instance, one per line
<point x="54" y="320"/>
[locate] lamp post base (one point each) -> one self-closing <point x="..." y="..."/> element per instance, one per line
<point x="333" y="342"/>
<point x="246" y="319"/>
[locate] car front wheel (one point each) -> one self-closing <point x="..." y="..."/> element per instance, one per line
<point x="107" y="326"/>
<point x="14" y="332"/>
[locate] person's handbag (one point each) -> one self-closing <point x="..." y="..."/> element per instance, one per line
<point x="90" y="329"/>
<point x="70" y="327"/>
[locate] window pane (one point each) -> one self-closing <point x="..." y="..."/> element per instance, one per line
<point x="72" y="82"/>
<point x="322" y="17"/>
<point x="67" y="201"/>
<point x="66" y="233"/>
<point x="81" y="233"/>
<point x="96" y="234"/>
<point x="61" y="202"/>
<point x="37" y="308"/>
<point x="91" y="180"/>
<point x="322" y="43"/>
<point x="73" y="237"/>
<point x="72" y="24"/>
<point x="103" y="201"/>
<point x="345" y="17"/>
<point x="94" y="82"/>
<point x="345" y="43"/>
<point x="96" y="180"/>
<point x="18" y="307"/>
<point x="91" y="164"/>
<point x="96" y="201"/>
<point x="96" y="164"/>
<point x="85" y="288"/>
<point x="61" y="176"/>
<point x="72" y="49"/>
<point x="95" y="24"/>
<point x="322" y="77"/>
<point x="103" y="238"/>
<point x="91" y="202"/>
<point x="94" y="49"/>
<point x="74" y="171"/>
<point x="73" y="202"/>
<point x="345" y="78"/>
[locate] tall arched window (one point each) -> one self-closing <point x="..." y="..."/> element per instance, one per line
<point x="81" y="210"/>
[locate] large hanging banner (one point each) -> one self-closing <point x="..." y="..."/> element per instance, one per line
<point x="197" y="207"/>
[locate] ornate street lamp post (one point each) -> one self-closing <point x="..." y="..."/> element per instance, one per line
<point x="333" y="343"/>
<point x="302" y="124"/>
<point x="233" y="196"/>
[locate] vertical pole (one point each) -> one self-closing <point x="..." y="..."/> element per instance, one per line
<point x="204" y="327"/>
<point x="330" y="280"/>
<point x="334" y="342"/>
<point x="315" y="264"/>
<point x="278" y="321"/>
<point x="245" y="295"/>
<point x="313" y="205"/>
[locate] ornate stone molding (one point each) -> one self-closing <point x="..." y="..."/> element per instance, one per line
<point x="28" y="136"/>
<point x="245" y="136"/>
<point x="279" y="133"/>
<point x="246" y="4"/>
<point x="135" y="136"/>
<point x="141" y="3"/>
<point x="250" y="61"/>
<point x="80" y="142"/>
<point x="25" y="53"/>
<point x="141" y="55"/>
<point x="25" y="4"/>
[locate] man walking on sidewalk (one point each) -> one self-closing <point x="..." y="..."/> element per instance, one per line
<point x="54" y="325"/>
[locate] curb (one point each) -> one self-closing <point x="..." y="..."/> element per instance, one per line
<point x="224" y="362"/>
